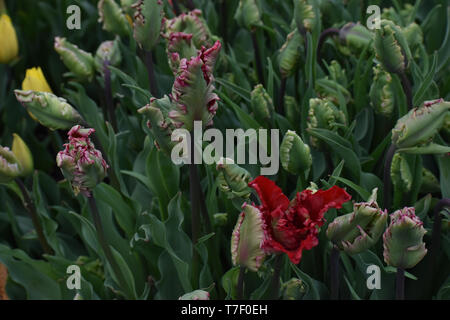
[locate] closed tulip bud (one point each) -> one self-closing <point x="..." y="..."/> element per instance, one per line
<point x="357" y="231"/>
<point x="290" y="55"/>
<point x="391" y="47"/>
<point x="355" y="35"/>
<point x="107" y="51"/>
<point x="23" y="155"/>
<point x="180" y="46"/>
<point x="195" y="295"/>
<point x="304" y="15"/>
<point x="159" y="123"/>
<point x="35" y="80"/>
<point x="49" y="110"/>
<point x="113" y="17"/>
<point x="337" y="73"/>
<point x="220" y="219"/>
<point x="292" y="110"/>
<point x="295" y="155"/>
<point x="401" y="174"/>
<point x="247" y="14"/>
<point x="9" y="165"/>
<point x="262" y="104"/>
<point x="413" y="35"/>
<point x="403" y="239"/>
<point x="430" y="183"/>
<point x="382" y="92"/>
<point x="79" y="62"/>
<point x="9" y="48"/>
<point x="246" y="239"/>
<point x="233" y="179"/>
<point x="294" y="289"/>
<point x="148" y="17"/>
<point x="419" y="125"/>
<point x="81" y="164"/>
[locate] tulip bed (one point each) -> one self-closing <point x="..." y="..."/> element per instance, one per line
<point x="93" y="205"/>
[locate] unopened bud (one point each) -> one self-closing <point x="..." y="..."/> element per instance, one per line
<point x="295" y="155"/>
<point x="79" y="62"/>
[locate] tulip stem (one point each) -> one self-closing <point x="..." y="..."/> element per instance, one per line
<point x="387" y="176"/>
<point x="281" y="95"/>
<point x="31" y="208"/>
<point x="151" y="71"/>
<point x="259" y="68"/>
<point x="275" y="284"/>
<point x="108" y="95"/>
<point x="400" y="284"/>
<point x="407" y="89"/>
<point x="240" y="284"/>
<point x="334" y="275"/>
<point x="323" y="36"/>
<point x="106" y="248"/>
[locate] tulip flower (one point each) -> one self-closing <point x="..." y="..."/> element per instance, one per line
<point x="382" y="92"/>
<point x="81" y="164"/>
<point x="80" y="62"/>
<point x="107" y="51"/>
<point x="247" y="14"/>
<point x="401" y="174"/>
<point x="304" y="16"/>
<point x="9" y="48"/>
<point x="113" y="18"/>
<point x="148" y="17"/>
<point x="195" y="295"/>
<point x="355" y="35"/>
<point x="292" y="109"/>
<point x="292" y="226"/>
<point x="289" y="55"/>
<point x="261" y="103"/>
<point x="294" y="289"/>
<point x="180" y="46"/>
<point x="233" y="180"/>
<point x="35" y="80"/>
<point x="49" y="110"/>
<point x="295" y="155"/>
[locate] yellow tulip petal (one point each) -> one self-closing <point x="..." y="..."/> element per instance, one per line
<point x="9" y="47"/>
<point x="35" y="80"/>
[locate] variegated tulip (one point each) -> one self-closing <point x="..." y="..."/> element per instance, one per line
<point x="9" y="48"/>
<point x="79" y="62"/>
<point x="233" y="179"/>
<point x="295" y="155"/>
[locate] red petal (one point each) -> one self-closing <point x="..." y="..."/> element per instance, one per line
<point x="269" y="193"/>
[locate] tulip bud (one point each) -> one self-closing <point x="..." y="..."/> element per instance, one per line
<point x="337" y="73"/>
<point x="382" y="92"/>
<point x="9" y="48"/>
<point x="403" y="239"/>
<point x="355" y="35"/>
<point x="159" y="123"/>
<point x="23" y="155"/>
<point x="247" y="14"/>
<point x="107" y="51"/>
<point x="147" y="23"/>
<point x="192" y="91"/>
<point x="357" y="231"/>
<point x="220" y="219"/>
<point x="195" y="295"/>
<point x="233" y="179"/>
<point x="323" y="114"/>
<point x="81" y="164"/>
<point x="80" y="62"/>
<point x="391" y="47"/>
<point x="304" y="15"/>
<point x="49" y="110"/>
<point x="35" y="80"/>
<point x="413" y="35"/>
<point x="292" y="110"/>
<point x="295" y="155"/>
<point x="9" y="165"/>
<point x="180" y="46"/>
<point x="294" y="289"/>
<point x="401" y="174"/>
<point x="261" y="103"/>
<point x="113" y="18"/>
<point x="289" y="56"/>
<point x="247" y="238"/>
<point x="430" y="183"/>
<point x="419" y="125"/>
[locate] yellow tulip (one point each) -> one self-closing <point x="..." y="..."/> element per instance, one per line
<point x="35" y="80"/>
<point x="23" y="155"/>
<point x="9" y="48"/>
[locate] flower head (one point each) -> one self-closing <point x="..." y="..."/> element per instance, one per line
<point x="113" y="17"/>
<point x="292" y="226"/>
<point x="35" y="80"/>
<point x="148" y="18"/>
<point x="78" y="61"/>
<point x="9" y="48"/>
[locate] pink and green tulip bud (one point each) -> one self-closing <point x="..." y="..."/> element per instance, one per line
<point x="403" y="239"/>
<point x="159" y="123"/>
<point x="382" y="92"/>
<point x="430" y="183"/>
<point x="195" y="295"/>
<point x="290" y="55"/>
<point x="246" y="239"/>
<point x="304" y="15"/>
<point x="180" y="46"/>
<point x="401" y="174"/>
<point x="292" y="109"/>
<point x="9" y="165"/>
<point x="413" y="35"/>
<point x="294" y="289"/>
<point x="420" y="125"/>
<point x="391" y="47"/>
<point x="233" y="179"/>
<point x="357" y="231"/>
<point x="79" y="62"/>
<point x="81" y="164"/>
<point x="220" y="219"/>
<point x="113" y="17"/>
<point x="355" y="35"/>
<point x="23" y="155"/>
<point x="108" y="51"/>
<point x="193" y="90"/>
<point x="49" y="110"/>
<point x="247" y="14"/>
<point x="262" y="104"/>
<point x="148" y="18"/>
<point x="295" y="155"/>
<point x="190" y="23"/>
